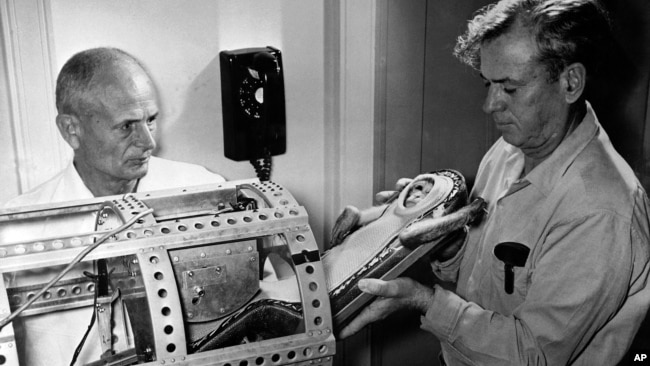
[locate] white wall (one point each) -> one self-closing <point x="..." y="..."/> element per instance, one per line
<point x="8" y="165"/>
<point x="179" y="41"/>
<point x="328" y="54"/>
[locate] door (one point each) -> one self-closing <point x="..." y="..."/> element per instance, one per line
<point x="429" y="118"/>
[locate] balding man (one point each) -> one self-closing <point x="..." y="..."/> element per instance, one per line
<point x="107" y="112"/>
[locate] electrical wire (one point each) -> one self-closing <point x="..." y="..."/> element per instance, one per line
<point x="263" y="166"/>
<point x="77" y="351"/>
<point x="74" y="262"/>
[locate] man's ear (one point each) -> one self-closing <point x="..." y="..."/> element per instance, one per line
<point x="69" y="128"/>
<point x="573" y="80"/>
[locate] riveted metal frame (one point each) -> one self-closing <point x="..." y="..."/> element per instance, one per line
<point x="8" y="351"/>
<point x="182" y="218"/>
<point x="164" y="302"/>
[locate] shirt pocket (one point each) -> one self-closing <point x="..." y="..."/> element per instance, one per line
<point x="522" y="279"/>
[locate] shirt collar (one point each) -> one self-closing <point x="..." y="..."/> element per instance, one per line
<point x="545" y="175"/>
<point x="73" y="187"/>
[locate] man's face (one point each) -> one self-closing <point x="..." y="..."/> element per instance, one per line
<point x="530" y="111"/>
<point x="117" y="126"/>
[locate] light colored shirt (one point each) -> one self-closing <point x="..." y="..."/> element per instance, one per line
<point x="50" y="339"/>
<point x="161" y="174"/>
<point x="583" y="291"/>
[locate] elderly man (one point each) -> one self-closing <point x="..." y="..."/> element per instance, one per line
<point x="563" y="206"/>
<point x="107" y="112"/>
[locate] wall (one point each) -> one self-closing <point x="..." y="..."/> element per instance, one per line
<point x="8" y="165"/>
<point x="328" y="54"/>
<point x="180" y="41"/>
<point x="32" y="149"/>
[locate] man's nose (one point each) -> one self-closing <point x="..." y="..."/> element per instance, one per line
<point x="144" y="137"/>
<point x="494" y="100"/>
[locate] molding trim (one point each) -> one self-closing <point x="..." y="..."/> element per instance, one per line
<point x="332" y="109"/>
<point x="350" y="31"/>
<point x="381" y="90"/>
<point x="350" y="108"/>
<point x="357" y="101"/>
<point x="27" y="38"/>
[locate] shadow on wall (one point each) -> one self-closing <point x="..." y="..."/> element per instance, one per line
<point x="196" y="135"/>
<point x="620" y="97"/>
<point x="621" y="102"/>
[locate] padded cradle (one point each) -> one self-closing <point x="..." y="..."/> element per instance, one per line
<point x="262" y="319"/>
<point x="374" y="250"/>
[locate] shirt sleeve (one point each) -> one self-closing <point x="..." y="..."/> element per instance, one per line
<point x="579" y="280"/>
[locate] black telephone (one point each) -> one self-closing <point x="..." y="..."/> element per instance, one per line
<point x="252" y="95"/>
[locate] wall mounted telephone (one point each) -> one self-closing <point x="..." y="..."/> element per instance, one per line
<point x="252" y="95"/>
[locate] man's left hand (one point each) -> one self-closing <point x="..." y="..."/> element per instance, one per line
<point x="400" y="293"/>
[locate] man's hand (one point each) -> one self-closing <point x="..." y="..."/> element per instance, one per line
<point x="400" y="293"/>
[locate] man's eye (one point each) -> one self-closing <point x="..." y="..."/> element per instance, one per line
<point x="151" y="121"/>
<point x="509" y="90"/>
<point x="126" y="126"/>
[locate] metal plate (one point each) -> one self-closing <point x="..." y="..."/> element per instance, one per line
<point x="216" y="280"/>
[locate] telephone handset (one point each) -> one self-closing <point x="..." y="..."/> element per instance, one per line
<point x="252" y="95"/>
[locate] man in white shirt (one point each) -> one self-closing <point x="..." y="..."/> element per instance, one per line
<point x="107" y="112"/>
